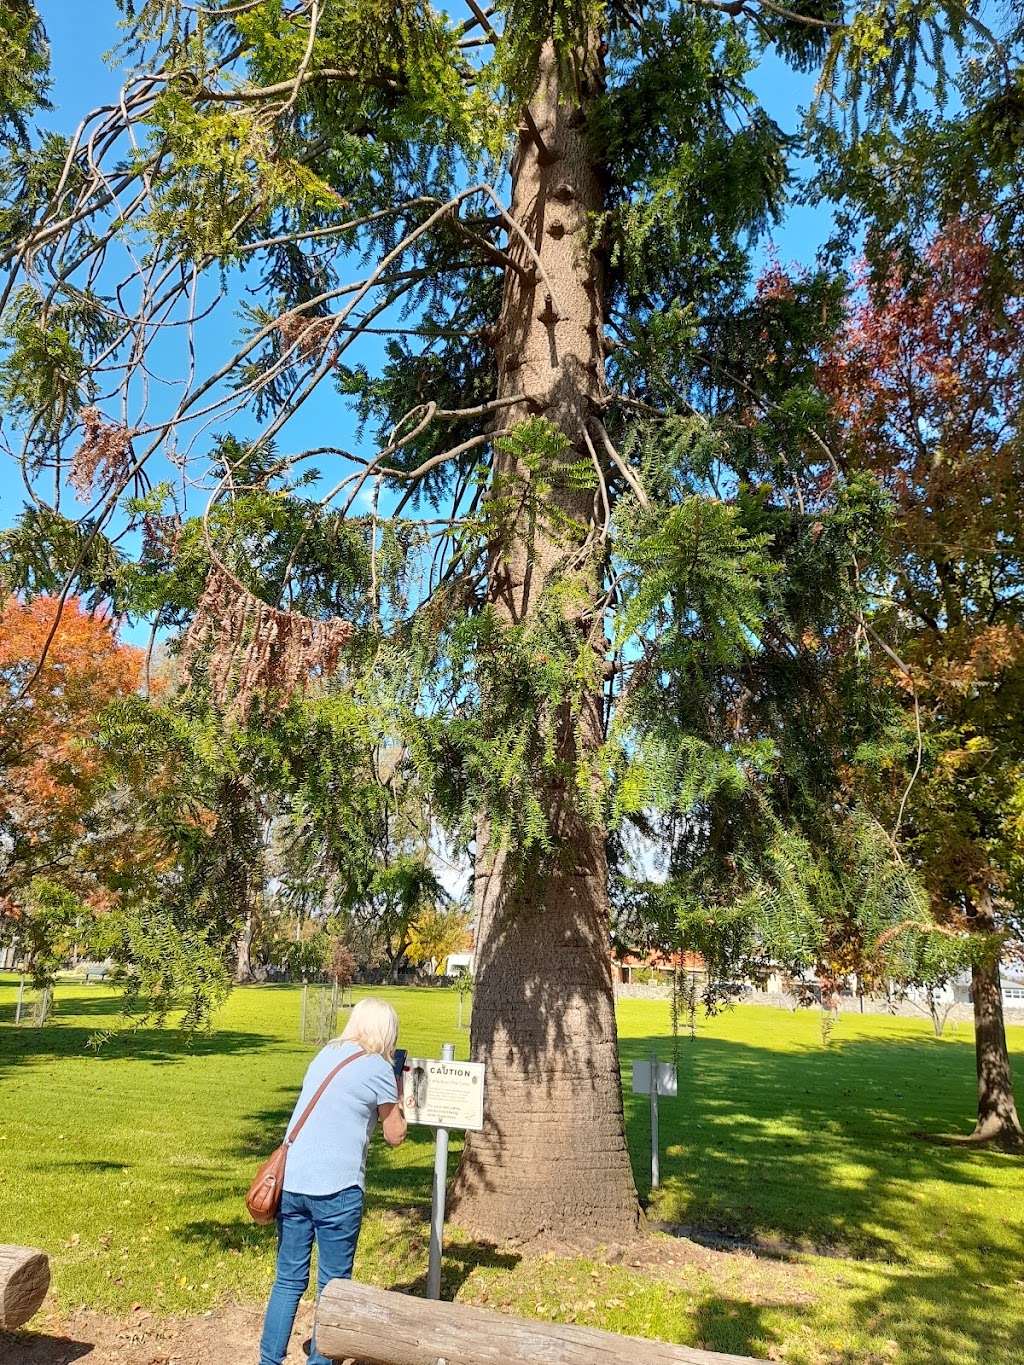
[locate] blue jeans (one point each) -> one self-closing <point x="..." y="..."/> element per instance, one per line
<point x="334" y="1221"/>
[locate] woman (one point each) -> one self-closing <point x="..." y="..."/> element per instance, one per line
<point x="325" y="1173"/>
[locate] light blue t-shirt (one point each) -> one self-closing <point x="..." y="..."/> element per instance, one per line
<point x="330" y="1153"/>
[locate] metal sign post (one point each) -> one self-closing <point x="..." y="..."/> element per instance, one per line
<point x="443" y="1095"/>
<point x="438" y="1197"/>
<point x="655" y="1078"/>
<point x="655" y="1167"/>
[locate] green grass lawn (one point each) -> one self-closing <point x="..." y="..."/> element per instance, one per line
<point x="130" y="1167"/>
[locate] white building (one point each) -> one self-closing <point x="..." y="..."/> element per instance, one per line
<point x="457" y="963"/>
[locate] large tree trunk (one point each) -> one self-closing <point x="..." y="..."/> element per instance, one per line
<point x="997" y="1114"/>
<point x="552" y="1160"/>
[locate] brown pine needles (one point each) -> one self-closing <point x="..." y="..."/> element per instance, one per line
<point x="104" y="444"/>
<point x="256" y="650"/>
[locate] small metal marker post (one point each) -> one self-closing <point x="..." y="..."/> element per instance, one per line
<point x="655" y="1078"/>
<point x="438" y="1200"/>
<point x="655" y="1165"/>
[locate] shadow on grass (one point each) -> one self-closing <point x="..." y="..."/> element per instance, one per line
<point x="62" y="1036"/>
<point x="733" y="1325"/>
<point x="97" y="1002"/>
<point x="969" y="1310"/>
<point x="457" y="1265"/>
<point x="167" y="1045"/>
<point x="815" y="1150"/>
<point x="37" y="1348"/>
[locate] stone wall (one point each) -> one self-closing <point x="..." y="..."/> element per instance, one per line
<point x="650" y="990"/>
<point x="848" y="1004"/>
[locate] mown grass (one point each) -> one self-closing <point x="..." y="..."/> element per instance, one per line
<point x="129" y="1168"/>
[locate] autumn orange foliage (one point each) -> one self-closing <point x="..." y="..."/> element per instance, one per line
<point x="50" y="764"/>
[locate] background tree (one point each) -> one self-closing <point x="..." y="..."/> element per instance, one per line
<point x="549" y="210"/>
<point x="197" y="843"/>
<point x="48" y="925"/>
<point x="436" y="934"/>
<point x="354" y="835"/>
<point x="926" y="380"/>
<point x="61" y="830"/>
<point x="343" y="964"/>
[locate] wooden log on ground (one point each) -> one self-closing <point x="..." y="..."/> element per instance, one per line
<point x="24" y="1280"/>
<point x="379" y="1327"/>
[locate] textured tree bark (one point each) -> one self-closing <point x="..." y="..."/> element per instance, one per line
<point x="243" y="956"/>
<point x="552" y="1160"/>
<point x="997" y="1114"/>
<point x="379" y="1327"/>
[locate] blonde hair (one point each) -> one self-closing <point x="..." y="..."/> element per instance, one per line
<point x="373" y="1024"/>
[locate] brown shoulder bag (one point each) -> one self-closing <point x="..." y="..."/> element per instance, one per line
<point x="264" y="1195"/>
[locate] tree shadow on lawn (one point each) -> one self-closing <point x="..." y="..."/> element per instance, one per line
<point x="815" y="1148"/>
<point x="733" y="1325"/>
<point x="458" y="1262"/>
<point x="969" y="1310"/>
<point x="946" y="1318"/>
<point x="77" y="1004"/>
<point x="167" y="1046"/>
<point x="814" y="1151"/>
<point x="61" y="1037"/>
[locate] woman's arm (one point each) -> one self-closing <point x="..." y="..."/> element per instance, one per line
<point x="392" y="1117"/>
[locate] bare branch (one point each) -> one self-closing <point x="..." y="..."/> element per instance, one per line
<point x="307" y="56"/>
<point x="256" y="94"/>
<point x="314" y="233"/>
<point x="736" y="8"/>
<point x="601" y="484"/>
<point x="621" y="465"/>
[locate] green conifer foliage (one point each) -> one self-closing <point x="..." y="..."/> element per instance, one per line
<point x="24" y="69"/>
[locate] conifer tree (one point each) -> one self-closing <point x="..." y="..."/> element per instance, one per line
<point x="567" y="545"/>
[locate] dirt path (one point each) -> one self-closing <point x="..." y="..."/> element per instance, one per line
<point x="228" y="1336"/>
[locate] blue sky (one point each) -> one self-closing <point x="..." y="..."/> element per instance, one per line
<point x="80" y="32"/>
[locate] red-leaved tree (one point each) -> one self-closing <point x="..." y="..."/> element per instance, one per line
<point x="927" y="384"/>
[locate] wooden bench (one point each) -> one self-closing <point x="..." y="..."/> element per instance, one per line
<point x="380" y="1327"/>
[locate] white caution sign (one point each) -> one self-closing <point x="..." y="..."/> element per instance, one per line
<point x="444" y="1094"/>
<point x="668" y="1081"/>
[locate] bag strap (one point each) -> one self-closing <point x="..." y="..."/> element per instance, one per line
<point x="320" y="1090"/>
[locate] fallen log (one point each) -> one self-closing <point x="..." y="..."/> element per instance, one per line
<point x="380" y="1327"/>
<point x="24" y="1280"/>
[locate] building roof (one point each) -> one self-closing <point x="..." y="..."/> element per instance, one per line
<point x="664" y="962"/>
